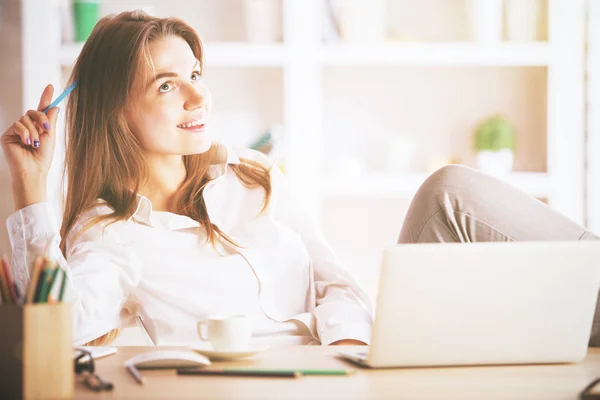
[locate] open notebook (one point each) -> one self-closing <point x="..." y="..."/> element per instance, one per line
<point x="95" y="351"/>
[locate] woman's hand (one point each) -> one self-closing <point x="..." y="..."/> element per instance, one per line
<point x="28" y="147"/>
<point x="348" y="342"/>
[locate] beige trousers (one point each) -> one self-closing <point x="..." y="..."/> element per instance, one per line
<point x="460" y="204"/>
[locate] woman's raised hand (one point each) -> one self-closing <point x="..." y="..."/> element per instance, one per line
<point x="28" y="147"/>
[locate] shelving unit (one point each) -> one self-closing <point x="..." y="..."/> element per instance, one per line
<point x="307" y="74"/>
<point x="593" y="118"/>
<point x="344" y="55"/>
<point x="389" y="185"/>
<point x="217" y="55"/>
<point x="436" y="54"/>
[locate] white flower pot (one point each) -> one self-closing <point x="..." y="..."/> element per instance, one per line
<point x="522" y="20"/>
<point x="485" y="20"/>
<point x="498" y="163"/>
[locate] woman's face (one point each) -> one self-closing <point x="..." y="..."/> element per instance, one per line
<point x="170" y="106"/>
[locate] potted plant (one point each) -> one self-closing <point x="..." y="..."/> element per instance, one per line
<point x="495" y="142"/>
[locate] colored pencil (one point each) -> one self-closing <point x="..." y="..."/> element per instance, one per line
<point x="18" y="294"/>
<point x="9" y="281"/>
<point x="49" y="276"/>
<point x="61" y="97"/>
<point x="37" y="297"/>
<point x="254" y="373"/>
<point x="4" y="290"/>
<point x="135" y="373"/>
<point x="62" y="285"/>
<point x="35" y="276"/>
<point x="328" y="372"/>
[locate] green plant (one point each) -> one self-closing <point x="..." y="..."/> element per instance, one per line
<point x="495" y="133"/>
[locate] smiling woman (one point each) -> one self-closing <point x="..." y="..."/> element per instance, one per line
<point x="171" y="108"/>
<point x="163" y="224"/>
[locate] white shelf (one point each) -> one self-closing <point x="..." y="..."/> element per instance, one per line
<point x="536" y="184"/>
<point x="436" y="54"/>
<point x="216" y="54"/>
<point x="245" y="55"/>
<point x="241" y="54"/>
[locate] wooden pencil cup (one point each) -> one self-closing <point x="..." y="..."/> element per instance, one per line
<point x="36" y="354"/>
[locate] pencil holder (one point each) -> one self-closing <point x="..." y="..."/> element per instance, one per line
<point x="36" y="355"/>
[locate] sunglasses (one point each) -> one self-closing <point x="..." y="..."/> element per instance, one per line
<point x="84" y="369"/>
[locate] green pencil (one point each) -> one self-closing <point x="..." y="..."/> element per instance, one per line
<point x="62" y="284"/>
<point x="51" y="281"/>
<point x="297" y="371"/>
<point x="41" y="284"/>
<point x="222" y="372"/>
<point x="47" y="279"/>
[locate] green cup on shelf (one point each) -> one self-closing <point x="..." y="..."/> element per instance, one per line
<point x="86" y="13"/>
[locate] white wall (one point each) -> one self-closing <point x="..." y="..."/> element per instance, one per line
<point x="437" y="107"/>
<point x="239" y="115"/>
<point x="215" y="20"/>
<point x="11" y="98"/>
<point x="593" y="117"/>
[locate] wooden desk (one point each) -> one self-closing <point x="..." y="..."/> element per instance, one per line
<point x="546" y="382"/>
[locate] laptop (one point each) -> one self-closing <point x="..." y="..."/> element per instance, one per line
<point x="483" y="304"/>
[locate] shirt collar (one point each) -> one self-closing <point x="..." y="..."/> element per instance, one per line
<point x="232" y="156"/>
<point x="143" y="212"/>
<point x="219" y="169"/>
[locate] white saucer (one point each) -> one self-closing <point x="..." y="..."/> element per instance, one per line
<point x="209" y="352"/>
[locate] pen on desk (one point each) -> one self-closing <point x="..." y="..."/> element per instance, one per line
<point x="223" y="372"/>
<point x="299" y="371"/>
<point x="61" y="97"/>
<point x="135" y="373"/>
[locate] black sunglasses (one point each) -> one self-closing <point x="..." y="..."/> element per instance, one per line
<point x="84" y="368"/>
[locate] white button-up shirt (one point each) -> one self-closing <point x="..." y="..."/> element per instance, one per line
<point x="156" y="269"/>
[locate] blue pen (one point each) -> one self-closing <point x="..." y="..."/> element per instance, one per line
<point x="61" y="97"/>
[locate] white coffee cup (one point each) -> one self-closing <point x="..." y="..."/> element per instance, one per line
<point x="227" y="332"/>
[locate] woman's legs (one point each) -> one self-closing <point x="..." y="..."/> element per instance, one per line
<point x="460" y="204"/>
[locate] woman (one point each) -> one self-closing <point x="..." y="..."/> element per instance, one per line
<point x="160" y="224"/>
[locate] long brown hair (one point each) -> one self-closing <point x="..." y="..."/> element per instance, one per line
<point x="104" y="159"/>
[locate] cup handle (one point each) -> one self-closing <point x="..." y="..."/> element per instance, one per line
<point x="203" y="330"/>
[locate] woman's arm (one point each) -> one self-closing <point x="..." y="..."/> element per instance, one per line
<point x="101" y="272"/>
<point x="348" y="342"/>
<point x="343" y="311"/>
